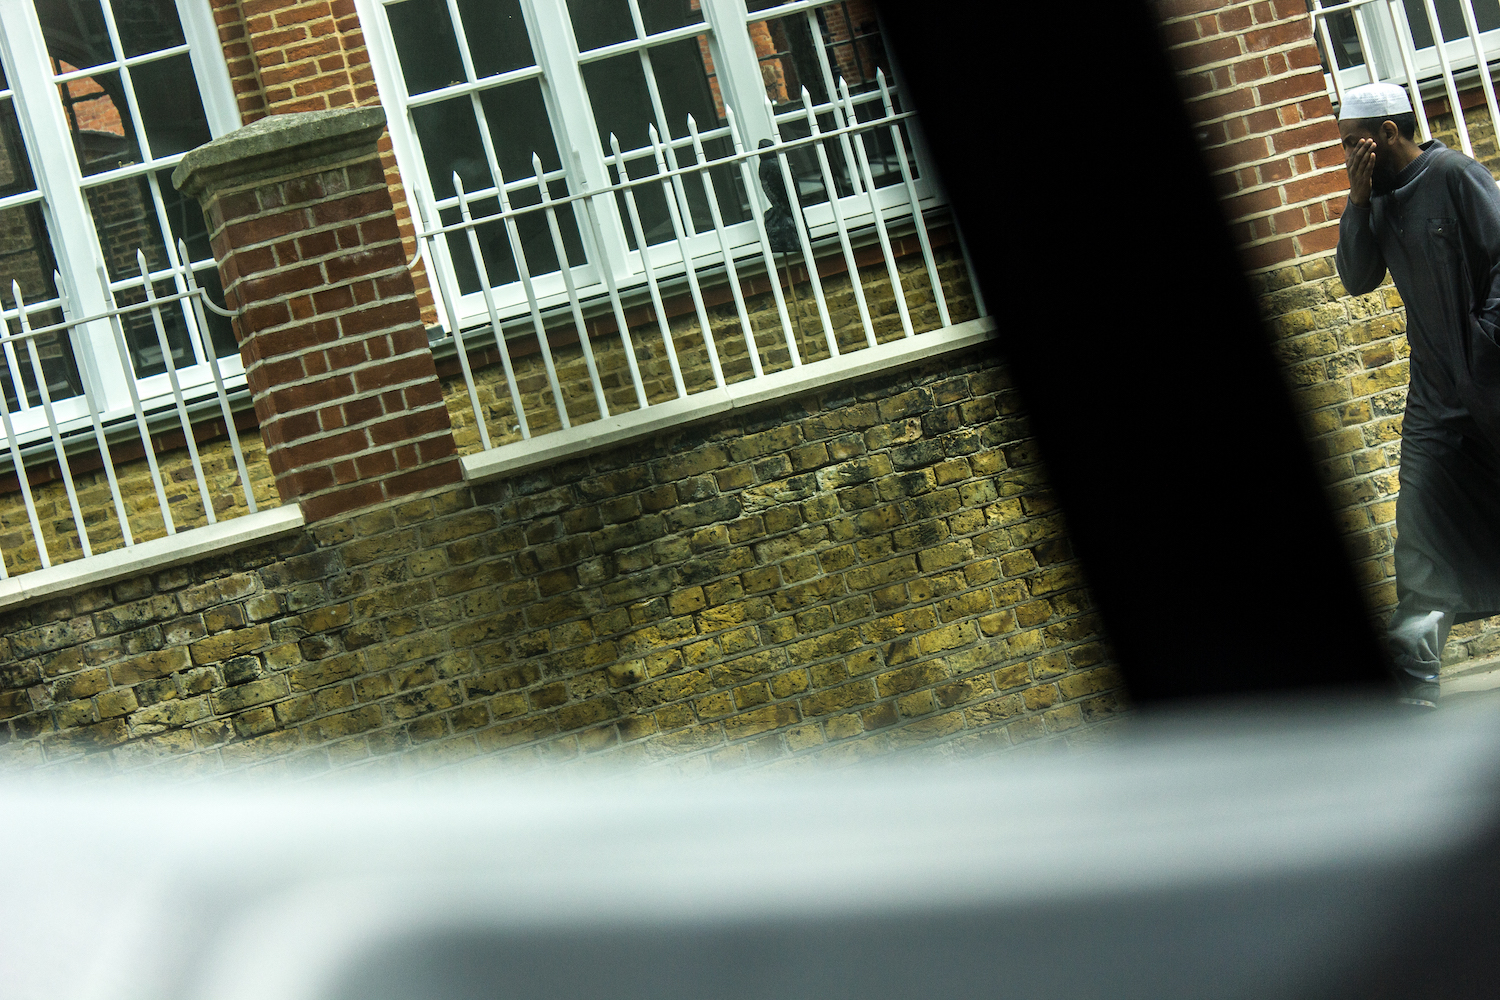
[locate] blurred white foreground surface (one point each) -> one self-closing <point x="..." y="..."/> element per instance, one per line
<point x="1251" y="853"/>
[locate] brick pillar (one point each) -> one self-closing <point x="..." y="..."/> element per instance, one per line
<point x="1253" y="85"/>
<point x="335" y="351"/>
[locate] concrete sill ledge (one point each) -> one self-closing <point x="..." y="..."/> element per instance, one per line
<point x="659" y="417"/>
<point x="149" y="556"/>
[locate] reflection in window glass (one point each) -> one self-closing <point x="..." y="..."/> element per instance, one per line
<point x="103" y="134"/>
<point x="15" y="168"/>
<point x="807" y="49"/>
<point x="26" y="257"/>
<point x="664" y="15"/>
<point x="597" y="23"/>
<point x="622" y="105"/>
<point x="173" y="117"/>
<point x="494" y="245"/>
<point x="126" y="219"/>
<point x="146" y="25"/>
<point x="75" y="32"/>
<point x="219" y="328"/>
<point x="140" y="331"/>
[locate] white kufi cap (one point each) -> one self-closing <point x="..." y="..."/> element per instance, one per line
<point x="1374" y="100"/>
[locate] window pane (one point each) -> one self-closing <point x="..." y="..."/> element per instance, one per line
<point x="650" y="204"/>
<point x="170" y="108"/>
<point x="147" y="25"/>
<point x="1450" y="19"/>
<point x="125" y="218"/>
<point x="141" y="336"/>
<point x="683" y="81"/>
<point x="517" y="119"/>
<point x="496" y="31"/>
<point x="184" y="218"/>
<point x="103" y="134"/>
<point x="597" y="23"/>
<point x="15" y="168"/>
<point x="494" y="245"/>
<point x="1345" y="40"/>
<point x="621" y="102"/>
<point x="54" y="351"/>
<point x="449" y="135"/>
<point x="26" y="257"/>
<point x="846" y="44"/>
<point x="425" y="45"/>
<point x="664" y="15"/>
<point x="75" y="32"/>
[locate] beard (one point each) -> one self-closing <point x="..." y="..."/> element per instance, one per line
<point x="1383" y="179"/>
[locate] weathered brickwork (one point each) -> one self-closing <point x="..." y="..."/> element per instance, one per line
<point x="143" y="511"/>
<point x="877" y="568"/>
<point x="1481" y="128"/>
<point x="692" y="354"/>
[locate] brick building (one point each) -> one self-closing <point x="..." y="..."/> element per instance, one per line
<point x="608" y="472"/>
<point x="599" y="474"/>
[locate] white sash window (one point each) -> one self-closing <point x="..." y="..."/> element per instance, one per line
<point x="100" y="100"/>
<point x="476" y="87"/>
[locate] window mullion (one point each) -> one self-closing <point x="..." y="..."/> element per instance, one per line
<point x="206" y="54"/>
<point x="737" y="67"/>
<point x="576" y="137"/>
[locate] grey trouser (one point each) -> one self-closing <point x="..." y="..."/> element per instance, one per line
<point x="1415" y="637"/>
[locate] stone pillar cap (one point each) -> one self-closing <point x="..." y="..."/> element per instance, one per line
<point x="274" y="143"/>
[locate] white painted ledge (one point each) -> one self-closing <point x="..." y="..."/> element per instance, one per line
<point x="634" y="425"/>
<point x="150" y="556"/>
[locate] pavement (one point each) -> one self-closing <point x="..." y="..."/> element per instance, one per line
<point x="1478" y="679"/>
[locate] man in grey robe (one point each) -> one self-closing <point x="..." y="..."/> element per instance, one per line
<point x="1432" y="217"/>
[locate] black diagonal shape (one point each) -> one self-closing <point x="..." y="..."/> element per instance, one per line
<point x="1161" y="414"/>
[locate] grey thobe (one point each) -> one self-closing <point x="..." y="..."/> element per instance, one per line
<point x="1438" y="232"/>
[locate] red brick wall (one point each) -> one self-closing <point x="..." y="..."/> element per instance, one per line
<point x="345" y="390"/>
<point x="309" y="55"/>
<point x="1253" y="85"/>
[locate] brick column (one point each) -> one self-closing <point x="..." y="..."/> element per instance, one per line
<point x="1253" y="85"/>
<point x="335" y="351"/>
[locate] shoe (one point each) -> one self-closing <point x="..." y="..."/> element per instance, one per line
<point x="1421" y="703"/>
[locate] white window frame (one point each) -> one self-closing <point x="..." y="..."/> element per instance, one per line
<point x="75" y="241"/>
<point x="737" y="69"/>
<point x="1383" y="55"/>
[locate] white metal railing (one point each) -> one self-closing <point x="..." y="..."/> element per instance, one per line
<point x="1382" y="48"/>
<point x="725" y="255"/>
<point x="100" y="431"/>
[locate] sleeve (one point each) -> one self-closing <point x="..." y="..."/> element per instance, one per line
<point x="1479" y="201"/>
<point x="1358" y="258"/>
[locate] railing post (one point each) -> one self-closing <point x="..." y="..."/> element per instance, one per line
<point x="334" y="347"/>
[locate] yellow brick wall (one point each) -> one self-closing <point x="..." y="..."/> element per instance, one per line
<point x="869" y="569"/>
<point x="60" y="530"/>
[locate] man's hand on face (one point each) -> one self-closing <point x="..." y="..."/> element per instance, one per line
<point x="1361" y="168"/>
